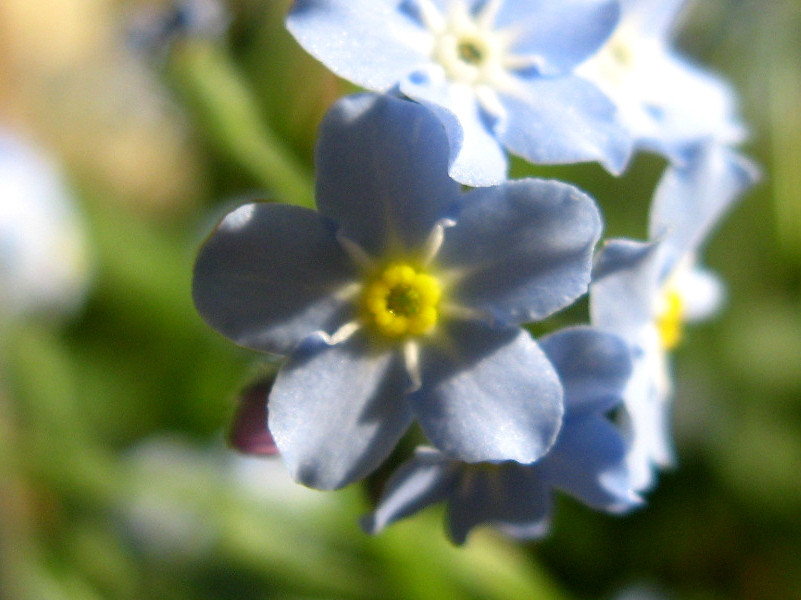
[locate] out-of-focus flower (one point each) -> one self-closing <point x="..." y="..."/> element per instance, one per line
<point x="44" y="266"/>
<point x="163" y="512"/>
<point x="497" y="73"/>
<point x="667" y="103"/>
<point x="588" y="460"/>
<point x="400" y="299"/>
<point x="154" y="29"/>
<point x="644" y="292"/>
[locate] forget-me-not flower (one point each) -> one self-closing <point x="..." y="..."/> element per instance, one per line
<point x="400" y="299"/>
<point x="667" y="103"/>
<point x="588" y="460"/>
<point x="644" y="292"/>
<point x="497" y="73"/>
<point x="44" y="255"/>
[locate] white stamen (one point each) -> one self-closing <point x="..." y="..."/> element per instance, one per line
<point x="356" y="252"/>
<point x="434" y="241"/>
<point x="457" y="311"/>
<point x="432" y="18"/>
<point x="341" y="334"/>
<point x="411" y="358"/>
<point x="486" y="18"/>
<point x="489" y="101"/>
<point x="348" y="292"/>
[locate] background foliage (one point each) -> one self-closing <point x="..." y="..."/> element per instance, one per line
<point x="115" y="481"/>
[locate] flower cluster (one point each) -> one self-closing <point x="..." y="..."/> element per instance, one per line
<point x="405" y="298"/>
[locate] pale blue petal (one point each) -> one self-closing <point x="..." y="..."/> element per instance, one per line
<point x="475" y="157"/>
<point x="626" y="280"/>
<point x="382" y="172"/>
<point x="510" y="496"/>
<point x="562" y="33"/>
<point x="691" y="199"/>
<point x="594" y="367"/>
<point x="589" y="463"/>
<point x="687" y="105"/>
<point x="427" y="478"/>
<point x="653" y="18"/>
<point x="336" y="412"/>
<point x="564" y="120"/>
<point x="523" y="249"/>
<point x="488" y="394"/>
<point x="647" y="419"/>
<point x="372" y="43"/>
<point x="267" y="277"/>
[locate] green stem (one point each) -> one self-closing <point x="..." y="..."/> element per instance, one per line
<point x="221" y="97"/>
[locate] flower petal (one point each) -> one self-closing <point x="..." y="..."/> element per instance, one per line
<point x="647" y="424"/>
<point x="626" y="282"/>
<point x="683" y="104"/>
<point x="370" y="42"/>
<point x="561" y="33"/>
<point x="269" y="275"/>
<point x="488" y="394"/>
<point x="476" y="158"/>
<point x="564" y="120"/>
<point x="654" y="18"/>
<point x="523" y="250"/>
<point x="594" y="367"/>
<point x="510" y="496"/>
<point x="589" y="462"/>
<point x="337" y="411"/>
<point x="690" y="199"/>
<point x="426" y="479"/>
<point x="382" y="172"/>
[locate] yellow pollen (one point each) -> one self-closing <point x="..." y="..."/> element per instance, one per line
<point x="470" y="51"/>
<point x="621" y="52"/>
<point x="402" y="301"/>
<point x="670" y="320"/>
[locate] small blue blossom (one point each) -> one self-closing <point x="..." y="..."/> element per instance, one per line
<point x="400" y="299"/>
<point x="588" y="460"/>
<point x="497" y="73"/>
<point x="645" y="291"/>
<point x="667" y="103"/>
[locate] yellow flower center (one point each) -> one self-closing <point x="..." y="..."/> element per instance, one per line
<point x="671" y="319"/>
<point x="471" y="51"/>
<point x="402" y="301"/>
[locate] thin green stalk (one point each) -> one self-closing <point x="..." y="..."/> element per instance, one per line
<point x="217" y="91"/>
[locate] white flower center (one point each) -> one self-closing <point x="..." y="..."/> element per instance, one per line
<point x="468" y="46"/>
<point x="615" y="63"/>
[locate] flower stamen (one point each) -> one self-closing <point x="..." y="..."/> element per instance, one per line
<point x="402" y="301"/>
<point x="670" y="320"/>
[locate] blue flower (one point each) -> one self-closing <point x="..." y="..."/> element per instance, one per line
<point x="646" y="291"/>
<point x="667" y="103"/>
<point x="497" y="73"/>
<point x="588" y="460"/>
<point x="44" y="255"/>
<point x="400" y="299"/>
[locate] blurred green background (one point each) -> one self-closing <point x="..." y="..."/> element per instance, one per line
<point x="115" y="479"/>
